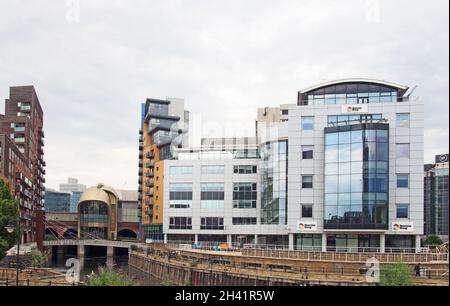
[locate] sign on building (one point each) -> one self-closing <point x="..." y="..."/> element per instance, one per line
<point x="307" y="226"/>
<point x="355" y="109"/>
<point x="402" y="226"/>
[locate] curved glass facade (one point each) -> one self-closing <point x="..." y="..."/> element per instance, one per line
<point x="356" y="176"/>
<point x="274" y="157"/>
<point x="93" y="218"/>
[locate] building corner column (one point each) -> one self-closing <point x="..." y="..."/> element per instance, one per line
<point x="418" y="244"/>
<point x="324" y="242"/>
<point x="291" y="241"/>
<point x="382" y="243"/>
<point x="165" y="238"/>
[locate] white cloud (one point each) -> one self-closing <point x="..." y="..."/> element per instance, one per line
<point x="226" y="58"/>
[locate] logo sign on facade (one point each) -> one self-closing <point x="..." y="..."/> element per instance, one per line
<point x="307" y="226"/>
<point x="355" y="109"/>
<point x="442" y="158"/>
<point x="402" y="226"/>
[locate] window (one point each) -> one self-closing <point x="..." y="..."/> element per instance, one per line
<point x="211" y="223"/>
<point x="180" y="223"/>
<point x="307" y="181"/>
<point x="307" y="152"/>
<point x="403" y="150"/>
<point x="307" y="211"/>
<point x="402" y="181"/>
<point x="180" y="170"/>
<point x="244" y="221"/>
<point x="285" y="112"/>
<point x="402" y="211"/>
<point x="244" y="195"/>
<point x="180" y="195"/>
<point x="245" y="169"/>
<point x="213" y="170"/>
<point x="212" y="195"/>
<point x="403" y="120"/>
<point x="307" y="123"/>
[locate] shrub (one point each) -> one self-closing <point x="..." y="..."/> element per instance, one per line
<point x="109" y="277"/>
<point x="38" y="259"/>
<point x="397" y="274"/>
<point x="433" y="240"/>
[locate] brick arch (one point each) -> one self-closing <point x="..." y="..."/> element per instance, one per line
<point x="128" y="230"/>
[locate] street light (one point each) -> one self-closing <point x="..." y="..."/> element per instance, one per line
<point x="10" y="228"/>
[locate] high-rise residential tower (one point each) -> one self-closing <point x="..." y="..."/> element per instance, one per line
<point x="164" y="126"/>
<point x="23" y="125"/>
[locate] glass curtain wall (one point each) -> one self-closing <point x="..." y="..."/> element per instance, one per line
<point x="93" y="216"/>
<point x="274" y="159"/>
<point x="356" y="176"/>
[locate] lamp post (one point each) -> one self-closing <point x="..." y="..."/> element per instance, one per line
<point x="10" y="228"/>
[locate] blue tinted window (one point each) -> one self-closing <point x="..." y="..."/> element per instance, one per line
<point x="402" y="180"/>
<point x="403" y="120"/>
<point x="402" y="211"/>
<point x="345" y="137"/>
<point x="308" y="123"/>
<point x="332" y="139"/>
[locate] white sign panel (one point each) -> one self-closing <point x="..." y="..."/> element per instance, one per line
<point x="307" y="226"/>
<point x="355" y="109"/>
<point x="402" y="227"/>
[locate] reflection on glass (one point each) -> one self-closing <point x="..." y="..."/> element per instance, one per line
<point x="356" y="178"/>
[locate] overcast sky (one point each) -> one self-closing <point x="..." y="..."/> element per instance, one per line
<point x="94" y="62"/>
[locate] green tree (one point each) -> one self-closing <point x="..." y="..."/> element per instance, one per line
<point x="38" y="259"/>
<point x="109" y="277"/>
<point x="8" y="214"/>
<point x="397" y="274"/>
<point x="433" y="240"/>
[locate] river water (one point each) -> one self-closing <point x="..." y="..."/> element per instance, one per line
<point x="89" y="265"/>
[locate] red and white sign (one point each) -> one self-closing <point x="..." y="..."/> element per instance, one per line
<point x="307" y="226"/>
<point x="402" y="226"/>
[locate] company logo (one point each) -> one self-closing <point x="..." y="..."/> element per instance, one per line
<point x="442" y="158"/>
<point x="310" y="226"/>
<point x="402" y="227"/>
<point x="350" y="109"/>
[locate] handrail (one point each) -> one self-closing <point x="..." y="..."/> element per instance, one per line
<point x="89" y="242"/>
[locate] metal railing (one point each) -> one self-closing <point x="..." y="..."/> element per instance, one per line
<point x="93" y="242"/>
<point x="347" y="256"/>
<point x="335" y="249"/>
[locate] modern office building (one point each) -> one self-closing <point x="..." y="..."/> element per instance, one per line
<point x="75" y="189"/>
<point x="22" y="155"/>
<point x="75" y="197"/>
<point x="436" y="197"/>
<point x="355" y="166"/>
<point x="340" y="170"/>
<point x="164" y="125"/>
<point x="212" y="194"/>
<point x="57" y="201"/>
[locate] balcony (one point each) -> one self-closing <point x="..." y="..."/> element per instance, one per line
<point x="149" y="192"/>
<point x="149" y="183"/>
<point x="149" y="174"/>
<point x="149" y="202"/>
